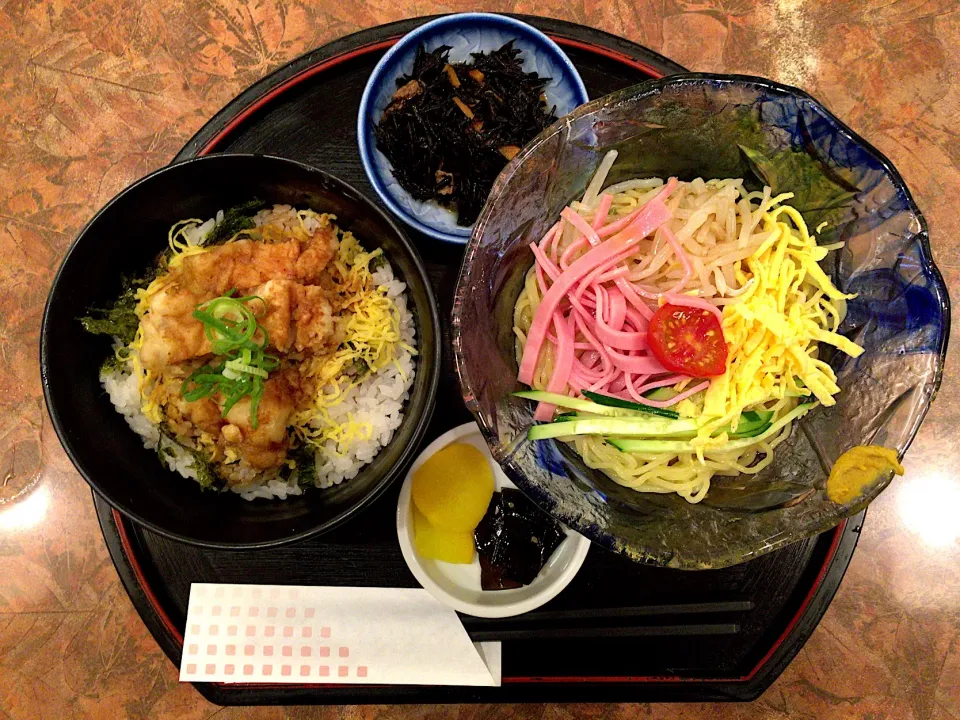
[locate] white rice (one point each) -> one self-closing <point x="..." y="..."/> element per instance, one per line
<point x="378" y="400"/>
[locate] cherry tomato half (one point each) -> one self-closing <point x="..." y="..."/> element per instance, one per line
<point x="688" y="340"/>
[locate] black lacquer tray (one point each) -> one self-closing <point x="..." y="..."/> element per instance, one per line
<point x="620" y="631"/>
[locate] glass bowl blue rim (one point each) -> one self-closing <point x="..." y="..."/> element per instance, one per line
<point x="574" y="521"/>
<point x="364" y="126"/>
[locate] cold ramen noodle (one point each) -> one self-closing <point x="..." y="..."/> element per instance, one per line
<point x="266" y="352"/>
<point x="671" y="331"/>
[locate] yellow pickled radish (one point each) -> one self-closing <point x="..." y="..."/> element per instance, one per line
<point x="453" y="488"/>
<point x="433" y="542"/>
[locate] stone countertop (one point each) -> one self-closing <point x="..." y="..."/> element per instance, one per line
<point x="95" y="94"/>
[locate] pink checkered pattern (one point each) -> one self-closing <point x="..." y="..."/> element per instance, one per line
<point x="219" y="625"/>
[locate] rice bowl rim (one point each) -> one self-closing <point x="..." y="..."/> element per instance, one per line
<point x="428" y="364"/>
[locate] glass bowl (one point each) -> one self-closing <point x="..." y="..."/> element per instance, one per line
<point x="714" y="126"/>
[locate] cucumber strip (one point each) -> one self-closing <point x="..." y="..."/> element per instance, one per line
<point x="572" y="405"/>
<point x="751" y="432"/>
<point x="619" y="426"/>
<point x="654" y="446"/>
<point x="597" y="404"/>
<point x="752" y="423"/>
<point x="566" y="401"/>
<point x="745" y="429"/>
<point x="627" y="405"/>
<point x="632" y="445"/>
<point x="756" y="415"/>
<point x="661" y="393"/>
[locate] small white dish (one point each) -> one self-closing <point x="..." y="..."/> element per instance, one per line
<point x="459" y="585"/>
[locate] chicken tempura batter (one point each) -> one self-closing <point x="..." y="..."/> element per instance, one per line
<point x="281" y="273"/>
<point x="284" y="275"/>
<point x="267" y="352"/>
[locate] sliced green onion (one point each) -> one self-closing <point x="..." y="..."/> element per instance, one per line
<point x="271" y="362"/>
<point x="231" y="327"/>
<point x="239" y="367"/>
<point x="198" y="393"/>
<point x="249" y="298"/>
<point x="255" y="402"/>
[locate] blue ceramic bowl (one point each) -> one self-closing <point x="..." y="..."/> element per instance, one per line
<point x="715" y="126"/>
<point x="466" y="33"/>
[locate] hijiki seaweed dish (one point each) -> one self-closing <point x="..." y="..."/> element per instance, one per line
<point x="450" y="128"/>
<point x="266" y="352"/>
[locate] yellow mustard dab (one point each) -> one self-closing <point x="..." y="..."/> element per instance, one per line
<point x="859" y="468"/>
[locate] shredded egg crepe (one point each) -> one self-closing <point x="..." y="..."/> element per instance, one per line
<point x="371" y="332"/>
<point x="789" y="306"/>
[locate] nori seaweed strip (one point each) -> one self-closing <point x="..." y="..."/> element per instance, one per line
<point x="120" y="318"/>
<point x="235" y="219"/>
<point x="444" y="141"/>
<point x="306" y="459"/>
<point x="206" y="472"/>
<point x="207" y="475"/>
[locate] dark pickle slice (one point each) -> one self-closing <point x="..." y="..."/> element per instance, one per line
<point x="515" y="539"/>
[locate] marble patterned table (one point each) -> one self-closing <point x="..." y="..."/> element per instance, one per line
<point x="95" y="93"/>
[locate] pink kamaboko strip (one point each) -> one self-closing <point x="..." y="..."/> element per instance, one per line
<point x="591" y="312"/>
